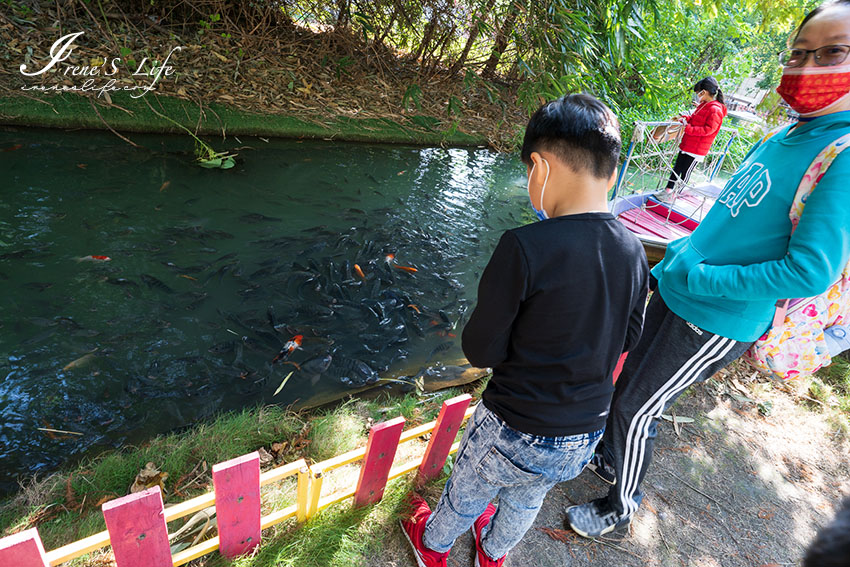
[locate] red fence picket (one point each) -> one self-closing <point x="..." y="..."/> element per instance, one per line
<point x="23" y="549"/>
<point x="619" y="367"/>
<point x="443" y="436"/>
<point x="237" y="503"/>
<point x="137" y="530"/>
<point x="380" y="452"/>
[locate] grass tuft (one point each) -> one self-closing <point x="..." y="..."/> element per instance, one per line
<point x="831" y="387"/>
<point x="335" y="432"/>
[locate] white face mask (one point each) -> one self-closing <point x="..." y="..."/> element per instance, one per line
<point x="541" y="213"/>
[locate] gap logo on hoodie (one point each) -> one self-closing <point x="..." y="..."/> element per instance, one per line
<point x="748" y="187"/>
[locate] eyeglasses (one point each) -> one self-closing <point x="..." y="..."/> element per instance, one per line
<point x="824" y="56"/>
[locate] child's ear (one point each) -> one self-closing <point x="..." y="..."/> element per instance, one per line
<point x="538" y="166"/>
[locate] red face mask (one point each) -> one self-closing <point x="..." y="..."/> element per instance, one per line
<point x="812" y="89"/>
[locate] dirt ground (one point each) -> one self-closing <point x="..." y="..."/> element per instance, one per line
<point x="733" y="488"/>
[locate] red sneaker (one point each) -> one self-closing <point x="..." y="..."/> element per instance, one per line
<point x="413" y="528"/>
<point x="481" y="558"/>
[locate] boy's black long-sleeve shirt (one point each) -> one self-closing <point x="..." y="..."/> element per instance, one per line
<point x="558" y="303"/>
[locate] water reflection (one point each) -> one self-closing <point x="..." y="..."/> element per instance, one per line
<point x="335" y="265"/>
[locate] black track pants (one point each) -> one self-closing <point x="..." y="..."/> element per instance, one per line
<point x="671" y="356"/>
<point x="682" y="169"/>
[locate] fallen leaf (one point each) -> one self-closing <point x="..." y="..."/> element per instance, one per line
<point x="265" y="457"/>
<point x="70" y="497"/>
<point x="558" y="535"/>
<point x="679" y="418"/>
<point x="649" y="506"/>
<point x="148" y="477"/>
<point x="742" y="399"/>
<point x="282" y="384"/>
<point x="105" y="499"/>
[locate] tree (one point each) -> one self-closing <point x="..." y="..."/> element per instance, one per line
<point x="502" y="37"/>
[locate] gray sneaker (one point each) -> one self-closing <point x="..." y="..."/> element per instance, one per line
<point x="603" y="470"/>
<point x="595" y="518"/>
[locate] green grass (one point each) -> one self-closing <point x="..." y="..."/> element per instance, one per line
<point x="72" y="111"/>
<point x="335" y="432"/>
<point x="66" y="505"/>
<point x="338" y="536"/>
<point x="415" y="409"/>
<point x="832" y="384"/>
<point x="831" y="387"/>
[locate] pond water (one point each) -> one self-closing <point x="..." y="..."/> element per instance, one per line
<point x="366" y="255"/>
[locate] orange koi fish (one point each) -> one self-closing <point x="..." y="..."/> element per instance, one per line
<point x="94" y="258"/>
<point x="291" y="346"/>
<point x="389" y="258"/>
<point x="359" y="271"/>
<point x="414" y="308"/>
<point x="407" y="269"/>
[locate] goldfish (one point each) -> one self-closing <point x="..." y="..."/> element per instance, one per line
<point x="291" y="346"/>
<point x="407" y="269"/>
<point x="389" y="258"/>
<point x="359" y="271"/>
<point x="82" y="361"/>
<point x="164" y="186"/>
<point x="414" y="308"/>
<point x="94" y="258"/>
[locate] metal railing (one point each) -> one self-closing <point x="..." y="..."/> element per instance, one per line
<point x="652" y="150"/>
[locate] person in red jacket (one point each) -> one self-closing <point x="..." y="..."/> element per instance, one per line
<point x="701" y="128"/>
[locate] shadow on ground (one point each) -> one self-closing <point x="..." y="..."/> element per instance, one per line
<point x="733" y="488"/>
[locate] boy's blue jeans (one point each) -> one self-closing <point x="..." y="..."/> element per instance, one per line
<point x="496" y="460"/>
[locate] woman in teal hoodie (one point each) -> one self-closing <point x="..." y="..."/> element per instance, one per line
<point x="717" y="288"/>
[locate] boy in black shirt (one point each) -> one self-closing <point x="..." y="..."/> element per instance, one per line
<point x="558" y="303"/>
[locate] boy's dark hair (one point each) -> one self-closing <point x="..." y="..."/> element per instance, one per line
<point x="831" y="547"/>
<point x="818" y="10"/>
<point x="580" y="130"/>
<point x="710" y="85"/>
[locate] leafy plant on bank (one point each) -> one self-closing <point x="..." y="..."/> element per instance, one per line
<point x="205" y="155"/>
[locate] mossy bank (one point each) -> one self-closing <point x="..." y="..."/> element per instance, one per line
<point x="146" y="114"/>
